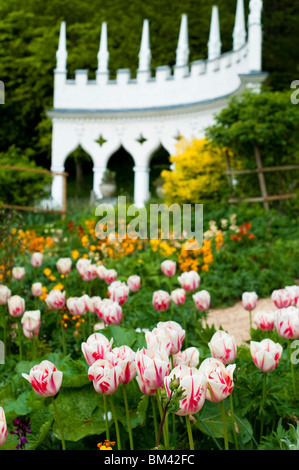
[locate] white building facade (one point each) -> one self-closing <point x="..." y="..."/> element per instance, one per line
<point x="147" y="112"/>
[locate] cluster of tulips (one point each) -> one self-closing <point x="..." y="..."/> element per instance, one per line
<point x="166" y="363"/>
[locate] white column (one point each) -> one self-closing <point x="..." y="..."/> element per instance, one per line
<point x="98" y="172"/>
<point x="141" y="185"/>
<point x="57" y="187"/>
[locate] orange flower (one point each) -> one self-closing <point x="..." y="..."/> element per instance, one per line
<point x="106" y="445"/>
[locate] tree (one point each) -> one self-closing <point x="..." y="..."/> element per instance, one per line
<point x="263" y="127"/>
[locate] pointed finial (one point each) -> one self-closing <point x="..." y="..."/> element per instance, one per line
<point x="145" y="51"/>
<point x="214" y="44"/>
<point x="255" y="9"/>
<point x="103" y="54"/>
<point x="182" y="52"/>
<point x="61" y="54"/>
<point x="239" y="34"/>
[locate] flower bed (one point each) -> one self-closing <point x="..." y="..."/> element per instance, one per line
<point x="107" y="346"/>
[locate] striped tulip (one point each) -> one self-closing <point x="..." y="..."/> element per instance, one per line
<point x="287" y="322"/>
<point x="152" y="368"/>
<point x="18" y="273"/>
<point x="55" y="299"/>
<point x="124" y="357"/>
<point x="95" y="348"/>
<point x="110" y="276"/>
<point x="189" y="357"/>
<point x="16" y="306"/>
<point x="76" y="306"/>
<point x="223" y="347"/>
<point x="202" y="300"/>
<point x="174" y="333"/>
<point x="105" y="376"/>
<point x="64" y="265"/>
<point x="36" y="259"/>
<point x="109" y="311"/>
<point x="3" y="427"/>
<point x="266" y="354"/>
<point x="161" y="300"/>
<point x="220" y="382"/>
<point x="249" y="300"/>
<point x="178" y="296"/>
<point x="265" y="321"/>
<point x="134" y="282"/>
<point x="45" y="379"/>
<point x="30" y="321"/>
<point x="281" y="298"/>
<point x="194" y="386"/>
<point x="118" y="292"/>
<point x="5" y="293"/>
<point x="37" y="289"/>
<point x="189" y="280"/>
<point x="168" y="268"/>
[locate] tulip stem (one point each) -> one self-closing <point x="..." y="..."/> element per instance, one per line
<point x="128" y="418"/>
<point x="154" y="417"/>
<point x="106" y="417"/>
<point x="20" y="341"/>
<point x="115" y="423"/>
<point x="226" y="447"/>
<point x="189" y="430"/>
<point x="292" y="370"/>
<point x="233" y="421"/>
<point x="162" y="420"/>
<point x="57" y="418"/>
<point x="263" y="403"/>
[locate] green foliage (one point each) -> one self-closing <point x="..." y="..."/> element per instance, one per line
<point x="22" y="188"/>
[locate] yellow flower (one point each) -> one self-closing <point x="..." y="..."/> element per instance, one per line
<point x="47" y="271"/>
<point x="106" y="445"/>
<point x="59" y="286"/>
<point x="75" y="254"/>
<point x="52" y="278"/>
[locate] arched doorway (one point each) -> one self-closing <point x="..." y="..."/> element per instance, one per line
<point x="159" y="162"/>
<point x="122" y="164"/>
<point x="79" y="166"/>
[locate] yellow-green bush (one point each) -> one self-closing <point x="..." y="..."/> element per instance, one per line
<point x="198" y="175"/>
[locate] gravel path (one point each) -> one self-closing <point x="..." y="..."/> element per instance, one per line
<point x="235" y="320"/>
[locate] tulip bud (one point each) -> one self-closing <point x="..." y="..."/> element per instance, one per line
<point x="249" y="300"/>
<point x="133" y="283"/>
<point x="266" y="354"/>
<point x="193" y="387"/>
<point x="18" y="273"/>
<point x="189" y="280"/>
<point x="64" y="265"/>
<point x="161" y="300"/>
<point x="76" y="306"/>
<point x="110" y="276"/>
<point x="287" y="322"/>
<point x="265" y="321"/>
<point x="189" y="357"/>
<point x="36" y="259"/>
<point x="202" y="300"/>
<point x="281" y="298"/>
<point x="16" y="306"/>
<point x="178" y="296"/>
<point x="96" y="346"/>
<point x="5" y="293"/>
<point x="118" y="292"/>
<point x="168" y="268"/>
<point x="105" y="376"/>
<point x="3" y="427"/>
<point x="223" y="347"/>
<point x="220" y="382"/>
<point x="55" y="299"/>
<point x="37" y="289"/>
<point x="45" y="379"/>
<point x="31" y="321"/>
